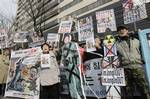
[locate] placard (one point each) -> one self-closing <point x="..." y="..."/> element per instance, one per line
<point x="106" y="19"/>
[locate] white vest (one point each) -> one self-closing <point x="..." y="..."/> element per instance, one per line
<point x="50" y="76"/>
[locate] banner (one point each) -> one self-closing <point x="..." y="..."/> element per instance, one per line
<point x="113" y="77"/>
<point x="85" y="28"/>
<point x="71" y="61"/>
<point x="93" y="73"/>
<point x="133" y="13"/>
<point x="90" y="44"/>
<point x="20" y="37"/>
<point x="23" y="75"/>
<point x="106" y="19"/>
<point x="144" y="36"/>
<point x="65" y="26"/>
<point x="3" y="39"/>
<point x="148" y="38"/>
<point x="53" y="40"/>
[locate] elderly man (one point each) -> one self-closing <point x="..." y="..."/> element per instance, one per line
<point x="131" y="61"/>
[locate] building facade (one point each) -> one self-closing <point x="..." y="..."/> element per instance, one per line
<point x="48" y="13"/>
<point x="51" y="11"/>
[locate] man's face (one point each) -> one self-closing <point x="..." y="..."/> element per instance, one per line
<point x="123" y="32"/>
<point x="33" y="72"/>
<point x="46" y="48"/>
<point x="67" y="39"/>
<point x="97" y="41"/>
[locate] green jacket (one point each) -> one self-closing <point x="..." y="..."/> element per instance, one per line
<point x="129" y="56"/>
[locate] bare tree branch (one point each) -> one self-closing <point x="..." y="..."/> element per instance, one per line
<point x="34" y="10"/>
<point x="31" y="6"/>
<point x="26" y="9"/>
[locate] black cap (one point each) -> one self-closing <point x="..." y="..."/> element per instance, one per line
<point x="121" y="28"/>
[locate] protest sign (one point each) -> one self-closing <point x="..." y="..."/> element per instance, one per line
<point x="145" y="41"/>
<point x="65" y="26"/>
<point x="36" y="39"/>
<point x="92" y="83"/>
<point x="23" y="75"/>
<point x="127" y="5"/>
<point x="36" y="44"/>
<point x="113" y="77"/>
<point x="109" y="63"/>
<point x="85" y="29"/>
<point x="20" y="37"/>
<point x="53" y="40"/>
<point x="93" y="73"/>
<point x="36" y="36"/>
<point x="90" y="44"/>
<point x="71" y="60"/>
<point x="45" y="61"/>
<point x="105" y="19"/>
<point x="133" y="12"/>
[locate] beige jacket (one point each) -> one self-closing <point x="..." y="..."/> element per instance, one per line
<point x="50" y="75"/>
<point x="4" y="66"/>
<point x="130" y="55"/>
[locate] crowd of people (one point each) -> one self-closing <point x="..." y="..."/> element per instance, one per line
<point x="129" y="53"/>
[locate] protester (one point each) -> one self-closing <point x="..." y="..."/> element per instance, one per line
<point x="4" y="65"/>
<point x="131" y="61"/>
<point x="49" y="77"/>
<point x="95" y="54"/>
